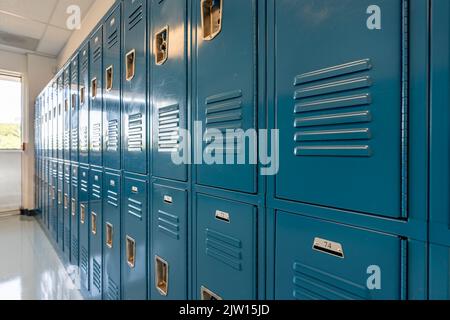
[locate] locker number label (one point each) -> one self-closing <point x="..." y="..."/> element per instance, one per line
<point x="374" y="19"/>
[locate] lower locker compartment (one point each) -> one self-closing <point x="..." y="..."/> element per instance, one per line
<point x="169" y="243"/>
<point x="54" y="202"/>
<point x="74" y="217"/>
<point x="95" y="233"/>
<point x="134" y="238"/>
<point x="111" y="232"/>
<point x="439" y="272"/>
<point x="320" y="260"/>
<point x="226" y="249"/>
<point x="84" y="227"/>
<point x="60" y="200"/>
<point x="67" y="205"/>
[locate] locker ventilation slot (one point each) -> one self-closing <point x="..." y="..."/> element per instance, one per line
<point x="75" y="139"/>
<point x="67" y="140"/>
<point x="331" y="114"/>
<point x="169" y="224"/>
<point x="96" y="191"/>
<point x="112" y="144"/>
<point x="168" y="128"/>
<point x="135" y="208"/>
<point x="75" y="250"/>
<point x="113" y="291"/>
<point x="113" y="39"/>
<point x="97" y="275"/>
<point x="96" y="137"/>
<point x="223" y="248"/>
<point x="135" y="133"/>
<point x="84" y="263"/>
<point x="224" y="112"/>
<point x="97" y="54"/>
<point x="135" y="17"/>
<point x="113" y="198"/>
<point x="314" y="284"/>
<point x="84" y="65"/>
<point x="84" y="139"/>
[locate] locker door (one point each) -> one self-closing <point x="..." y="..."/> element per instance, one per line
<point x="67" y="113"/>
<point x="320" y="260"/>
<point x="168" y="259"/>
<point x="96" y="98"/>
<point x="74" y="230"/>
<point x="338" y="103"/>
<point x="225" y="82"/>
<point x="95" y="232"/>
<point x="111" y="234"/>
<point x="168" y="86"/>
<point x="66" y="215"/>
<point x="134" y="238"/>
<point x="112" y="87"/>
<point x="54" y="134"/>
<point x="83" y="129"/>
<point x="74" y="103"/>
<point x="60" y="203"/>
<point x="134" y="84"/>
<point x="60" y="118"/>
<point x="54" y="200"/>
<point x="84" y="226"/>
<point x="226" y="249"/>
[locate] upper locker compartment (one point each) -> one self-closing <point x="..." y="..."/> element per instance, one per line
<point x="111" y="95"/>
<point x="225" y="83"/>
<point x="60" y="116"/>
<point x="83" y="114"/>
<point x="67" y="112"/>
<point x="134" y="91"/>
<point x="320" y="260"/>
<point x="339" y="103"/>
<point x="168" y="87"/>
<point x="96" y="98"/>
<point x="74" y="108"/>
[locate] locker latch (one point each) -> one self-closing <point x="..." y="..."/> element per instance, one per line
<point x="162" y="46"/>
<point x="94" y="88"/>
<point x="130" y="64"/>
<point x="162" y="276"/>
<point x="82" y="95"/>
<point x="74" y="204"/>
<point x="94" y="223"/>
<point x="109" y="78"/>
<point x="207" y="294"/>
<point x="131" y="252"/>
<point x="109" y="235"/>
<point x="66" y="201"/>
<point x="211" y="18"/>
<point x="82" y="214"/>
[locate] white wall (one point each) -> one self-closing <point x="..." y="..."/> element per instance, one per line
<point x="36" y="71"/>
<point x="95" y="14"/>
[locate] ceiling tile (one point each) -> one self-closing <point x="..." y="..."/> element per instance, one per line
<point x="60" y="15"/>
<point x="39" y="10"/>
<point x="53" y="41"/>
<point x="21" y="27"/>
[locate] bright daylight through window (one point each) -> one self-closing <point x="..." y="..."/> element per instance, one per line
<point x="10" y="112"/>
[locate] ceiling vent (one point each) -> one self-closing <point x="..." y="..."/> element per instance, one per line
<point x="20" y="42"/>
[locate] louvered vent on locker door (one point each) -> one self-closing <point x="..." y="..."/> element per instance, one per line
<point x="96" y="191"/>
<point x="113" y="290"/>
<point x="113" y="198"/>
<point x="113" y="39"/>
<point x="74" y="138"/>
<point x="135" y="208"/>
<point x="314" y="284"/>
<point x="169" y="224"/>
<point x="135" y="133"/>
<point x="168" y="128"/>
<point x="322" y="129"/>
<point x="97" y="53"/>
<point x="223" y="248"/>
<point x="66" y="140"/>
<point x="84" y="139"/>
<point x="96" y="137"/>
<point x="75" y="248"/>
<point x="84" y="65"/>
<point x="97" y="275"/>
<point x="224" y="112"/>
<point x="135" y="17"/>
<point x="112" y="144"/>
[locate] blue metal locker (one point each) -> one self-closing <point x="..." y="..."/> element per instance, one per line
<point x="226" y="249"/>
<point x="74" y="103"/>
<point x="96" y="98"/>
<point x="83" y="113"/>
<point x="168" y="259"/>
<point x="54" y="133"/>
<point x="74" y="214"/>
<point x="96" y="234"/>
<point x="225" y="84"/>
<point x="60" y="200"/>
<point x="168" y="87"/>
<point x="134" y="86"/>
<point x="112" y="43"/>
<point x="60" y="117"/>
<point x="111" y="231"/>
<point x="66" y="210"/>
<point x="439" y="276"/>
<point x="67" y="112"/>
<point x="134" y="237"/>
<point x="321" y="260"/>
<point x="54" y="199"/>
<point x="84" y="226"/>
<point x="339" y="105"/>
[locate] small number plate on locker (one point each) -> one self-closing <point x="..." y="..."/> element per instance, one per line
<point x="328" y="247"/>
<point x="223" y="216"/>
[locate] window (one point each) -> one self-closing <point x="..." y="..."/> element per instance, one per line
<point x="10" y="111"/>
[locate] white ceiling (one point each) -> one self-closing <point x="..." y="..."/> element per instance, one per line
<point x="40" y="20"/>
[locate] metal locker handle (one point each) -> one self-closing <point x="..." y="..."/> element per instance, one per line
<point x="130" y="64"/>
<point x="109" y="235"/>
<point x="82" y="95"/>
<point x="162" y="276"/>
<point x="59" y="197"/>
<point x="162" y="46"/>
<point x="66" y="201"/>
<point x="82" y="214"/>
<point x="109" y="78"/>
<point x="131" y="252"/>
<point x="207" y="294"/>
<point x="74" y="207"/>
<point x="211" y="18"/>
<point x="94" y="88"/>
<point x="66" y="105"/>
<point x="74" y="100"/>
<point x="94" y="223"/>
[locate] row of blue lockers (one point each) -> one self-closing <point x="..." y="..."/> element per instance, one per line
<point x="349" y="199"/>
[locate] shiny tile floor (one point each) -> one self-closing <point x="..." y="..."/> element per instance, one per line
<point x="30" y="269"/>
